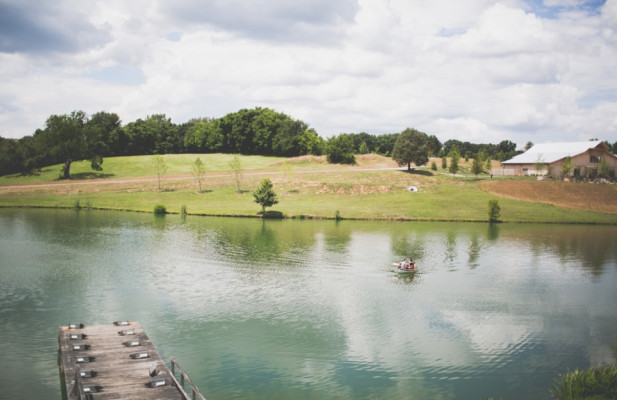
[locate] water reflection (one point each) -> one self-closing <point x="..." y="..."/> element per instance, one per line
<point x="474" y="251"/>
<point x="313" y="309"/>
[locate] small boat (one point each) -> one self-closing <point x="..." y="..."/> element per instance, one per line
<point x="405" y="270"/>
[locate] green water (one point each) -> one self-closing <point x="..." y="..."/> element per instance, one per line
<point x="257" y="309"/>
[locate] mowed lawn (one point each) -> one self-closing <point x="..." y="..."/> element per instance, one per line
<point x="308" y="187"/>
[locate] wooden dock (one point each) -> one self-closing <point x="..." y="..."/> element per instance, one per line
<point x="117" y="361"/>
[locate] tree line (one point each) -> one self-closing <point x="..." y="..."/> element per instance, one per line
<point x="259" y="131"/>
<point x="77" y="136"/>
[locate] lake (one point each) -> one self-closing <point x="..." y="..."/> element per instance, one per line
<point x="288" y="309"/>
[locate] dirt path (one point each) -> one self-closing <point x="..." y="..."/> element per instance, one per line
<point x="179" y="177"/>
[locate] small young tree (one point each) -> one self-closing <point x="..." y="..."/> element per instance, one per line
<point x="444" y="162"/>
<point x="265" y="195"/>
<point x="476" y="166"/>
<point x="236" y="167"/>
<point x="566" y="168"/>
<point x="199" y="172"/>
<point x="489" y="164"/>
<point x="539" y="165"/>
<point x="454" y="157"/>
<point x="434" y="166"/>
<point x="494" y="210"/>
<point x="160" y="166"/>
<point x="603" y="168"/>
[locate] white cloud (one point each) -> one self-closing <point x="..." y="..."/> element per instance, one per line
<point x="482" y="71"/>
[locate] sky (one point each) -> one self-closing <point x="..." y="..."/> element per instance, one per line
<point x="481" y="71"/>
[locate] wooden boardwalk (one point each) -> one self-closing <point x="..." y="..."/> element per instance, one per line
<point x="115" y="362"/>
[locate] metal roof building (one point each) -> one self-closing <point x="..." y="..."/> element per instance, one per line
<point x="551" y="152"/>
<point x="547" y="159"/>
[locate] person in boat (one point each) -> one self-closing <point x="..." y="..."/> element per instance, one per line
<point x="412" y="265"/>
<point x="403" y="264"/>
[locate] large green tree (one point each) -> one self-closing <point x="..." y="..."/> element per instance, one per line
<point x="434" y="145"/>
<point x="67" y="140"/>
<point x="411" y="147"/>
<point x="340" y="150"/>
<point x="104" y="134"/>
<point x="154" y="135"/>
<point x="204" y="136"/>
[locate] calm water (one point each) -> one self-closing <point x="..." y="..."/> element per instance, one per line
<point x="311" y="309"/>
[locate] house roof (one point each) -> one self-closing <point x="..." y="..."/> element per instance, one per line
<point x="551" y="152"/>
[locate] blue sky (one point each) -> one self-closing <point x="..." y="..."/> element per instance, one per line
<point x="476" y="70"/>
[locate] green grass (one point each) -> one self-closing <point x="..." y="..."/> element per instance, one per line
<point x="313" y="190"/>
<point x="590" y="384"/>
<point x="139" y="166"/>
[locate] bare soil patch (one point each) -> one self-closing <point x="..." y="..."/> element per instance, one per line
<point x="580" y="196"/>
<point x="362" y="161"/>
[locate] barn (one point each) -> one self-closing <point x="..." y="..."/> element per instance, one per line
<point x="548" y="159"/>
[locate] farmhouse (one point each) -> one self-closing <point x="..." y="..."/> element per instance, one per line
<point x="548" y="159"/>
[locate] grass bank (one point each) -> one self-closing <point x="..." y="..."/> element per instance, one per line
<point x="308" y="187"/>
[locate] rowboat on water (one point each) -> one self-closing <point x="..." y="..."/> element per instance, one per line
<point x="408" y="270"/>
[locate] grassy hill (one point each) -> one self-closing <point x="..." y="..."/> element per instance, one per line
<point x="309" y="187"/>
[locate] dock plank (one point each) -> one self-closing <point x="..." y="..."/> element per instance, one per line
<point x="117" y="375"/>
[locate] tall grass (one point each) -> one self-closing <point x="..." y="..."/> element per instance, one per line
<point x="593" y="383"/>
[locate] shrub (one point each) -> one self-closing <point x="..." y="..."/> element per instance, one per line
<point x="273" y="214"/>
<point x="434" y="166"/>
<point x="494" y="210"/>
<point x="160" y="209"/>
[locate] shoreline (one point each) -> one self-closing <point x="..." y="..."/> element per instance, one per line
<point x="309" y="217"/>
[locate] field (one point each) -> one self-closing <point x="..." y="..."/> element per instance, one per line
<point x="309" y="187"/>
